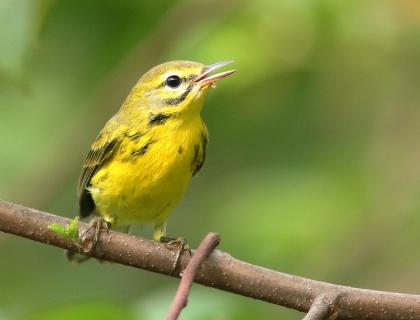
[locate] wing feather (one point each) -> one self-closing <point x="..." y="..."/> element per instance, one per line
<point x="102" y="149"/>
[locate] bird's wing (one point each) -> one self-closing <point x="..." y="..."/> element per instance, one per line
<point x="101" y="150"/>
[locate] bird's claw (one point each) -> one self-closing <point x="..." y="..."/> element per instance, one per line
<point x="179" y="244"/>
<point x="87" y="241"/>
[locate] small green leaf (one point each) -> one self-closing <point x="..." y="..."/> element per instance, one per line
<point x="70" y="231"/>
<point x="57" y="228"/>
<point x="73" y="228"/>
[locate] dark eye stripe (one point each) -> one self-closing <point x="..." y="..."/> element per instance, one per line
<point x="178" y="100"/>
<point x="190" y="77"/>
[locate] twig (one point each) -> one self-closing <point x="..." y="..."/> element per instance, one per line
<point x="209" y="243"/>
<point x="319" y="309"/>
<point x="219" y="270"/>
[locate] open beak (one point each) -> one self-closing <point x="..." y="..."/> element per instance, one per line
<point x="206" y="78"/>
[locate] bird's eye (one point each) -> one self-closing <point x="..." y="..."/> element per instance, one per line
<point x="173" y="81"/>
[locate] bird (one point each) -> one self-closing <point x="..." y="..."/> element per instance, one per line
<point x="141" y="163"/>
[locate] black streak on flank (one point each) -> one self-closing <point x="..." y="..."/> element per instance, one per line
<point x="199" y="158"/>
<point x="194" y="161"/>
<point x="178" y="100"/>
<point x="180" y="149"/>
<point x="140" y="152"/>
<point x="204" y="141"/>
<point x="159" y="118"/>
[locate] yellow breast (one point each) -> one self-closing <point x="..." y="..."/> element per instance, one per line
<point x="149" y="173"/>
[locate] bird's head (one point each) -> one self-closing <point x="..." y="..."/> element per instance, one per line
<point x="175" y="87"/>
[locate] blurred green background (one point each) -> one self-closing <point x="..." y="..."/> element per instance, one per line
<point x="313" y="165"/>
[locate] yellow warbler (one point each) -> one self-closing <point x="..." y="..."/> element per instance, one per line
<point x="142" y="161"/>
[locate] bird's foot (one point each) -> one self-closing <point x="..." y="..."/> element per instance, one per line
<point x="88" y="240"/>
<point x="179" y="244"/>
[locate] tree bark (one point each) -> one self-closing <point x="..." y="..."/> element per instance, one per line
<point x="220" y="270"/>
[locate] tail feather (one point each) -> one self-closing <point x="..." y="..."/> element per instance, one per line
<point x="86" y="204"/>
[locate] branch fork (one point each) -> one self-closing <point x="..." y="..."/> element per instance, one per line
<point x="318" y="299"/>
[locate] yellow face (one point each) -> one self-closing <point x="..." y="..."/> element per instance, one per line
<point x="177" y="86"/>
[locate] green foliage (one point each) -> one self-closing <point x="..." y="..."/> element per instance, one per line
<point x="70" y="231"/>
<point x="82" y="310"/>
<point x="312" y="166"/>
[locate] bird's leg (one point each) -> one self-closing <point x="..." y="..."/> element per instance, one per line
<point x="179" y="244"/>
<point x="88" y="242"/>
<point x="159" y="231"/>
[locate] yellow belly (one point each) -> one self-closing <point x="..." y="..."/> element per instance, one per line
<point x="146" y="188"/>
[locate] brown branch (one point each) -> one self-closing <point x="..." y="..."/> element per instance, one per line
<point x="219" y="270"/>
<point x="319" y="310"/>
<point x="206" y="246"/>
